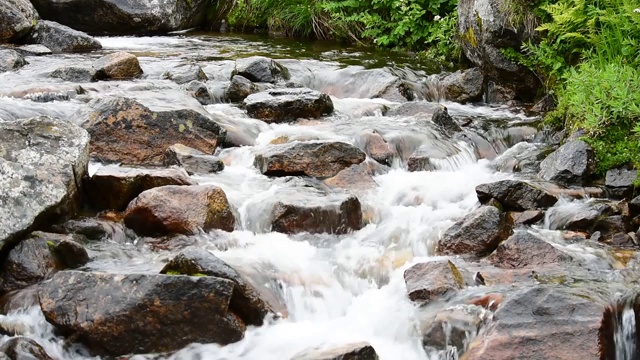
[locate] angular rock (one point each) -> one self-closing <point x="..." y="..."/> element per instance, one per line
<point x="579" y="218"/>
<point x="28" y="263"/>
<point x="22" y="348"/>
<point x="119" y="65"/>
<point x="355" y="351"/>
<point x="335" y="214"/>
<point x="610" y="225"/>
<point x="284" y="105"/>
<point x="453" y="327"/>
<point x="75" y="74"/>
<point x="500" y="93"/>
<point x="113" y="187"/>
<point x="61" y="38"/>
<point x="245" y="300"/>
<point x="355" y="177"/>
<point x="516" y="195"/>
<point x="69" y="254"/>
<point x="620" y="182"/>
<point x="11" y="60"/>
<point x="313" y="158"/>
<point x="192" y="160"/>
<point x="571" y="164"/>
<point x="527" y="217"/>
<point x="524" y="249"/>
<point x="16" y="19"/>
<point x="260" y="69"/>
<point x="431" y="280"/>
<point x="239" y="88"/>
<point x="544" y="322"/>
<point x="42" y="165"/>
<point x="377" y="148"/>
<point x="186" y="73"/>
<point x="442" y="118"/>
<point x="125" y="131"/>
<point x="179" y="210"/>
<point x="477" y="234"/>
<point x="125" y="314"/>
<point x="200" y="92"/>
<point x="464" y="85"/>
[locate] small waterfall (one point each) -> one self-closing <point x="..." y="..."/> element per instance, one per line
<point x="433" y="90"/>
<point x="624" y="331"/>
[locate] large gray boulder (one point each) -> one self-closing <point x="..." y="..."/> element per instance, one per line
<point x="61" y="38"/>
<point x="42" y="163"/>
<point x="571" y="164"/>
<point x="17" y="18"/>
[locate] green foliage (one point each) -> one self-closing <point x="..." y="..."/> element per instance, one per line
<point x="442" y="44"/>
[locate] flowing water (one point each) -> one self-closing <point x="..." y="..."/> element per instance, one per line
<point x="337" y="289"/>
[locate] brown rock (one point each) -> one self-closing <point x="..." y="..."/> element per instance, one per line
<point x="335" y="214"/>
<point x="377" y="148"/>
<point x="125" y="131"/>
<point x="192" y="160"/>
<point x="516" y="195"/>
<point x="428" y="281"/>
<point x="179" y="210"/>
<point x="355" y="177"/>
<point x="523" y="249"/>
<point x="490" y="301"/>
<point x="28" y="263"/>
<point x="69" y="254"/>
<point x="526" y="217"/>
<point x="356" y="351"/>
<point x="119" y="65"/>
<point x="113" y="187"/>
<point x="22" y="348"/>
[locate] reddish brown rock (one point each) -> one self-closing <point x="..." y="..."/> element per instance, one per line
<point x="335" y="214"/>
<point x="119" y="65"/>
<point x="431" y="280"/>
<point x="526" y="217"/>
<point x="377" y="148"/>
<point x="524" y="249"/>
<point x="179" y="210"/>
<point x="355" y="177"/>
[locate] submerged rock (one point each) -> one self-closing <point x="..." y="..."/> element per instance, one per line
<point x="284" y="105"/>
<point x="60" y="38"/>
<point x="260" y="69"/>
<point x="42" y="164"/>
<point x="415" y="108"/>
<point x="17" y="18"/>
<point x="192" y="160"/>
<point x="113" y="187"/>
<point x="119" y="65"/>
<point x="185" y="73"/>
<point x="464" y="85"/>
<point x="571" y="164"/>
<point x="11" y="60"/>
<point x="200" y="92"/>
<point x="75" y="74"/>
<point x="524" y="249"/>
<point x="355" y="351"/>
<point x="454" y="326"/>
<point x="125" y="131"/>
<point x="179" y="210"/>
<point x="22" y="348"/>
<point x="620" y="182"/>
<point x="334" y="214"/>
<point x="313" y="158"/>
<point x="477" y="234"/>
<point x="125" y="314"/>
<point x="516" y="195"/>
<point x="239" y="88"/>
<point x="429" y="281"/>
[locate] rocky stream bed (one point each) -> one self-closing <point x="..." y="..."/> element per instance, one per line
<point x="204" y="196"/>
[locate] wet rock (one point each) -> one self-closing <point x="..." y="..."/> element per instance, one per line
<point x="579" y="218"/>
<point x="543" y="322"/>
<point x="192" y="160"/>
<point x="313" y="158"/>
<point x="28" y="263"/>
<point x="524" y="249"/>
<point x="75" y="74"/>
<point x="431" y="280"/>
<point x="368" y="84"/>
<point x="355" y="177"/>
<point x="500" y="93"/>
<point x="516" y="195"/>
<point x="185" y="73"/>
<point x="571" y="164"/>
<point x="355" y="351"/>
<point x="527" y="217"/>
<point x="464" y="85"/>
<point x="619" y="182"/>
<point x="621" y="240"/>
<point x="34" y="50"/>
<point x="284" y="105"/>
<point x="200" y="92"/>
<point x="42" y="164"/>
<point x="239" y="88"/>
<point x="634" y="206"/>
<point x="120" y="17"/>
<point x="124" y="314"/>
<point x="610" y="225"/>
<point x="11" y="60"/>
<point x="69" y="254"/>
<point x="61" y="38"/>
<point x="334" y="214"/>
<point x="260" y="69"/>
<point x="179" y="210"/>
<point x="376" y="147"/>
<point x="420" y="160"/>
<point x="119" y="65"/>
<point x="415" y="108"/>
<point x="442" y="118"/>
<point x="113" y="187"/>
<point x="245" y="300"/>
<point x="477" y="234"/>
<point x="453" y="326"/>
<point x="22" y="348"/>
<point x="125" y="131"/>
<point x="47" y="94"/>
<point x="89" y="228"/>
<point x="16" y="19"/>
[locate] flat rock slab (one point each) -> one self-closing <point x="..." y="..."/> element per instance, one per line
<point x="60" y="38"/>
<point x="285" y="105"/>
<point x="42" y="164"/>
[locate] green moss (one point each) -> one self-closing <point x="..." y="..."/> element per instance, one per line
<point x="456" y="275"/>
<point x="173" y="272"/>
<point x="469" y="37"/>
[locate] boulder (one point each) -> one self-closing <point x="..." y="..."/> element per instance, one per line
<point x="580" y="217"/>
<point x="260" y="69"/>
<point x="185" y="73"/>
<point x="192" y="160"/>
<point x="200" y="92"/>
<point x="75" y="74"/>
<point x="571" y="164"/>
<point x="16" y="19"/>
<point x="245" y="300"/>
<point x="524" y="249"/>
<point x="442" y="118"/>
<point x="239" y="88"/>
<point x="11" y="60"/>
<point x="477" y="234"/>
<point x="452" y="327"/>
<point x="42" y="165"/>
<point x="464" y="85"/>
<point x="113" y="187"/>
<point x="314" y="158"/>
<point x="355" y="351"/>
<point x="333" y="214"/>
<point x="620" y="182"/>
<point x="69" y="254"/>
<point x="376" y="147"/>
<point x="543" y="322"/>
<point x="59" y="38"/>
<point x="516" y="195"/>
<point x="125" y="314"/>
<point x="125" y="131"/>
<point x="28" y="263"/>
<point x="179" y="210"/>
<point x="284" y="105"/>
<point x="120" y="17"/>
<point x="22" y="348"/>
<point x="119" y="65"/>
<point x="431" y="280"/>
